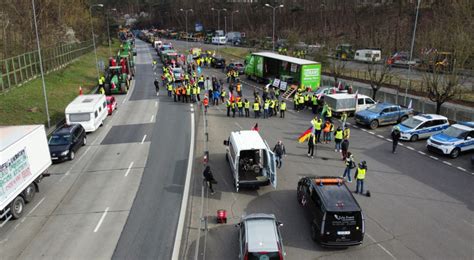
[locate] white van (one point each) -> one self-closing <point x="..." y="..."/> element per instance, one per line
<point x="368" y="55"/>
<point x="219" y="40"/>
<point x="87" y="110"/>
<point x="157" y="44"/>
<point x="251" y="160"/>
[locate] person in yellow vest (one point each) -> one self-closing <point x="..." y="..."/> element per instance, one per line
<point x="169" y="87"/>
<point x="193" y="93"/>
<point x="338" y="135"/>
<point x="343" y="119"/>
<point x="247" y="108"/>
<point x="346" y="133"/>
<point x="227" y="105"/>
<point x="314" y="104"/>
<point x="360" y="177"/>
<point x="318" y="126"/>
<point x="236" y="74"/>
<point x="223" y="96"/>
<point x="295" y="101"/>
<point x="306" y="100"/>
<point x="233" y="106"/>
<point x="256" y="108"/>
<point x="174" y="95"/>
<point x="198" y="93"/>
<point x="188" y="93"/>
<point x="276" y="106"/>
<point x="282" y="109"/>
<point x="329" y="114"/>
<point x="229" y="75"/>
<point x="240" y="106"/>
<point x="102" y="90"/>
<point x="266" y="106"/>
<point x="238" y="87"/>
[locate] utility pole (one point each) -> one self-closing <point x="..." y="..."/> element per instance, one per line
<point x="232" y="19"/>
<point x="218" y="23"/>
<point x="186" y="18"/>
<point x="273" y="34"/>
<point x="414" y="33"/>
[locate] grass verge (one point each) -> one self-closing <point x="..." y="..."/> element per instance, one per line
<point x="25" y="104"/>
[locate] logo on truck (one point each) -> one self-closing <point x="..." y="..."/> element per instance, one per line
<point x="13" y="172"/>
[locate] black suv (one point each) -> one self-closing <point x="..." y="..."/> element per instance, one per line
<point x="65" y="141"/>
<point x="218" y="62"/>
<point x="336" y="217"/>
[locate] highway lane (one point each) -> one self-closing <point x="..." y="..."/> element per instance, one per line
<point x="82" y="208"/>
<point x="151" y="226"/>
<point x="415" y="199"/>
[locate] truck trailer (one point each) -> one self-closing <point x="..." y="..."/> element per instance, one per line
<point x="24" y="161"/>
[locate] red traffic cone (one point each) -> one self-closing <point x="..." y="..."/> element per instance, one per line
<point x="80" y="90"/>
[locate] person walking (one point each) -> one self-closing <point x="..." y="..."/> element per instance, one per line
<point x="317" y="125"/>
<point x="360" y="177"/>
<point x="227" y="105"/>
<point x="282" y="109"/>
<point x="326" y="132"/>
<point x="338" y="139"/>
<point x="209" y="178"/>
<point x="157" y="86"/>
<point x="344" y="148"/>
<point x="395" y="138"/>
<point x="350" y="164"/>
<point x="346" y="133"/>
<point x="311" y="144"/>
<point x="343" y="119"/>
<point x="279" y="151"/>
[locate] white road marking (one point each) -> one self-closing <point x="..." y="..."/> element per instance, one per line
<point x="355" y="126"/>
<point x="411" y="148"/>
<point x="472" y="225"/>
<point x="382" y="247"/>
<point x="16" y="226"/>
<point x="184" y="202"/>
<point x="434" y="158"/>
<point x="388" y="139"/>
<point x="363" y="129"/>
<point x="372" y="133"/>
<point x="68" y="172"/>
<point x="380" y="136"/>
<point x="143" y="140"/>
<point x="87" y="150"/>
<point x="152" y="117"/>
<point x="128" y="169"/>
<point x="420" y="152"/>
<point x="156" y="103"/>
<point x="238" y="125"/>
<point x="35" y="207"/>
<point x="101" y="220"/>
<point x="401" y="144"/>
<point x="448" y="163"/>
<point x="124" y="100"/>
<point x="192" y="109"/>
<point x="461" y="168"/>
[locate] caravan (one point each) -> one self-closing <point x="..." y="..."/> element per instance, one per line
<point x="251" y="160"/>
<point x="368" y="55"/>
<point x="88" y="110"/>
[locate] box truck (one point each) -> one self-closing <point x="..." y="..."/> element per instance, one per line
<point x="347" y="102"/>
<point x="24" y="160"/>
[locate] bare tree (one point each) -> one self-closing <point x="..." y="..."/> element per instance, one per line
<point x="377" y="74"/>
<point x="442" y="87"/>
<point x="337" y="68"/>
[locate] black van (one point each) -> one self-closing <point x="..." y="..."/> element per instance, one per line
<point x="337" y="219"/>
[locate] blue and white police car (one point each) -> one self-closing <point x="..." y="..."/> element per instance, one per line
<point x="455" y="139"/>
<point x="422" y="126"/>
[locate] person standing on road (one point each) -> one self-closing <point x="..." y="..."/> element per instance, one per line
<point x="247" y="108"/>
<point x="395" y="138"/>
<point x="240" y="106"/>
<point x="346" y="133"/>
<point x="344" y="148"/>
<point x="157" y="86"/>
<point x="350" y="164"/>
<point x="282" y="109"/>
<point x="360" y="177"/>
<point x="209" y="178"/>
<point x="256" y="108"/>
<point x="317" y="125"/>
<point x="227" y="105"/>
<point x="338" y="135"/>
<point x="343" y="119"/>
<point x="311" y="144"/>
<point x="279" y="151"/>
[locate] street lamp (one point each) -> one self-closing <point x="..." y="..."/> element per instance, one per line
<point x="218" y="23"/>
<point x="414" y="33"/>
<point x="108" y="31"/>
<point x="186" y="15"/>
<point x="93" y="38"/>
<point x="274" y="9"/>
<point x="232" y="18"/>
<point x="41" y="64"/>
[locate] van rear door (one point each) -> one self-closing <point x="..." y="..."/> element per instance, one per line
<point x="344" y="227"/>
<point x="271" y="168"/>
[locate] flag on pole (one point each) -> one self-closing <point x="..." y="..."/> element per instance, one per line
<point x="410" y="104"/>
<point x="305" y="135"/>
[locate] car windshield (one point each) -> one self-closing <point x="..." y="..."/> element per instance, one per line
<point x="320" y="90"/>
<point x="59" y="139"/>
<point x="411" y="122"/>
<point x="264" y="256"/>
<point x="455" y="132"/>
<point x="376" y="109"/>
<point x="79" y="117"/>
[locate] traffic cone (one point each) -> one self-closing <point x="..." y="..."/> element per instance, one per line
<point x="80" y="90"/>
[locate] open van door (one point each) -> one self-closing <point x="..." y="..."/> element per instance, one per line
<point x="272" y="168"/>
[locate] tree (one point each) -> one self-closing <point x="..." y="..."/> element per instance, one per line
<point x="337" y="68"/>
<point x="377" y="74"/>
<point x="442" y="87"/>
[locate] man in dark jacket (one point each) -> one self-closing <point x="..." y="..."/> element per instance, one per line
<point x="344" y="148"/>
<point x="157" y="86"/>
<point x="279" y="151"/>
<point x="209" y="178"/>
<point x="395" y="138"/>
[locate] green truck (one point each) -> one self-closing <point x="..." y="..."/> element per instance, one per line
<point x="266" y="66"/>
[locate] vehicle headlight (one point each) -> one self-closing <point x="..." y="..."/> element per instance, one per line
<point x="65" y="153"/>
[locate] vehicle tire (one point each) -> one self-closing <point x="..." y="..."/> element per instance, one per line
<point x="314" y="232"/>
<point x="374" y="124"/>
<point x="107" y="89"/>
<point x="17" y="207"/>
<point x="71" y="155"/>
<point x="403" y="118"/>
<point x="455" y="153"/>
<point x="29" y="193"/>
<point x="414" y="138"/>
<point x="226" y="157"/>
<point x="84" y="141"/>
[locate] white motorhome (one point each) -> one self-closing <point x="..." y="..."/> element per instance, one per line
<point x="24" y="160"/>
<point x="347" y="102"/>
<point x="251" y="160"/>
<point x="219" y="40"/>
<point x="368" y="55"/>
<point x="88" y="110"/>
<point x="157" y="44"/>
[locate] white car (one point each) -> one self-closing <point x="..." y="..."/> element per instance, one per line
<point x="422" y="126"/>
<point x="455" y="139"/>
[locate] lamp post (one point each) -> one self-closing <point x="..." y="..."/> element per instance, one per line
<point x="93" y="38"/>
<point x="186" y="17"/>
<point x="41" y="64"/>
<point x="274" y="9"/>
<point x="232" y="19"/>
<point x="414" y="33"/>
<point x="218" y="22"/>
<point x="108" y="31"/>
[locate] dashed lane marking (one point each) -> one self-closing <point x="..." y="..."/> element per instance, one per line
<point x="365" y="130"/>
<point x="238" y="125"/>
<point x="128" y="169"/>
<point x="382" y="247"/>
<point x="435" y="158"/>
<point x="372" y="133"/>
<point x="101" y="220"/>
<point x="460" y="168"/>
<point x="380" y="136"/>
<point x="388" y="139"/>
<point x="152" y="117"/>
<point x="411" y="148"/>
<point x="448" y="163"/>
<point x="420" y="152"/>
<point x="35" y="207"/>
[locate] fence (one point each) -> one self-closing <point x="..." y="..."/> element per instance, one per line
<point x="17" y="70"/>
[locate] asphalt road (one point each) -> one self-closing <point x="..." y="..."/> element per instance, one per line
<point x="421" y="206"/>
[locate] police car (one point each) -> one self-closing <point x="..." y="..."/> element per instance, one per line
<point x="422" y="126"/>
<point x="455" y="139"/>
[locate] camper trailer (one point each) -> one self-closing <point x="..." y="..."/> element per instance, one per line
<point x="88" y="110"/>
<point x="368" y="55"/>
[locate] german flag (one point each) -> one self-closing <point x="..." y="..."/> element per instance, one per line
<point x="305" y="135"/>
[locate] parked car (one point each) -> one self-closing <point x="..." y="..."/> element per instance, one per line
<point x="422" y="126"/>
<point x="178" y="74"/>
<point x="111" y="104"/>
<point x="260" y="237"/>
<point x="336" y="217"/>
<point x="401" y="59"/>
<point x="65" y="141"/>
<point x="218" y="62"/>
<point x="236" y="66"/>
<point x="452" y="141"/>
<point x="382" y="114"/>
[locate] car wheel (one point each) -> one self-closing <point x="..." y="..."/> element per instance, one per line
<point x="374" y="124"/>
<point x="314" y="232"/>
<point x="455" y="153"/>
<point x="403" y="118"/>
<point x="84" y="141"/>
<point x="29" y="193"/>
<point x="17" y="207"/>
<point x="414" y="138"/>
<point x="226" y="157"/>
<point x="71" y="155"/>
